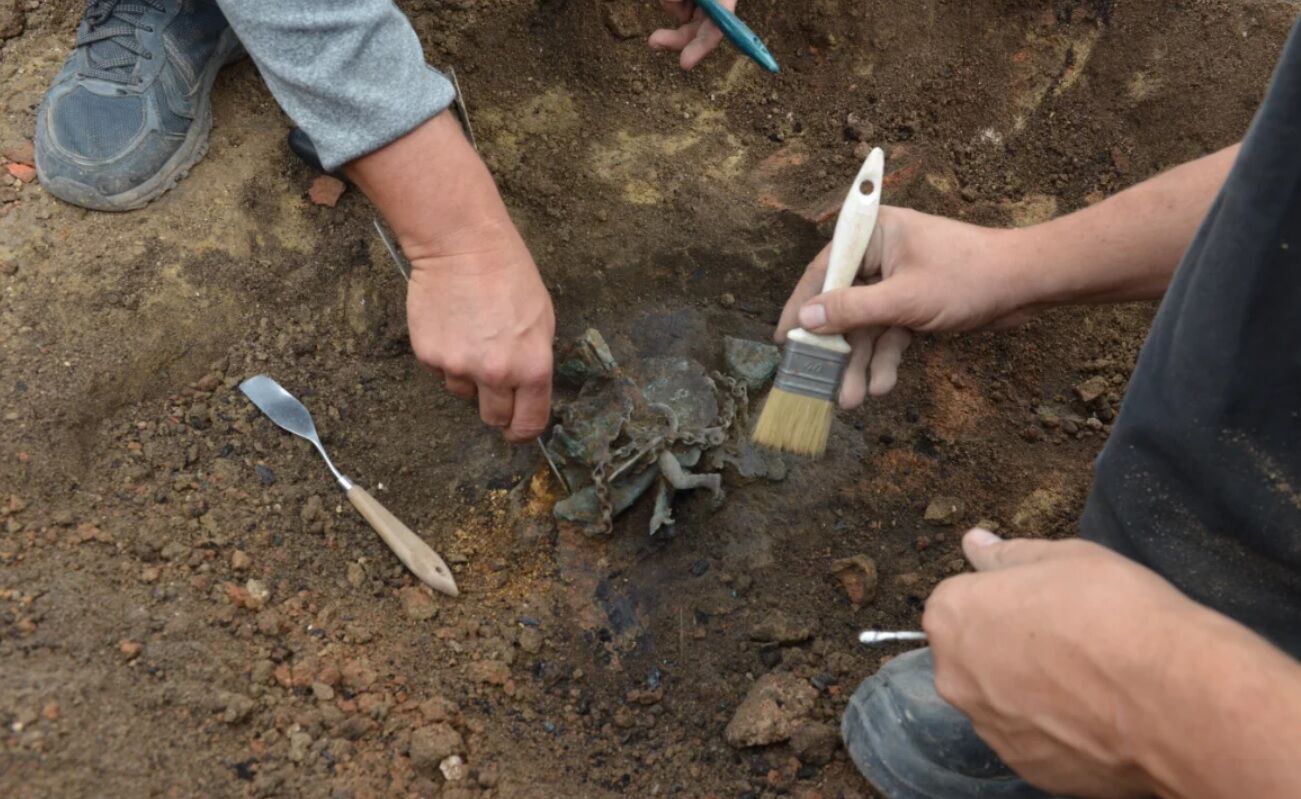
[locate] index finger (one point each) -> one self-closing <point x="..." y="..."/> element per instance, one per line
<point x="532" y="411"/>
<point x="810" y="285"/>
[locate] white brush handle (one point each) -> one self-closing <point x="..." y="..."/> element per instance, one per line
<point x="854" y="230"/>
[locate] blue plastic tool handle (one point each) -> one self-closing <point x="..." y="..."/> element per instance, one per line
<point x="739" y="34"/>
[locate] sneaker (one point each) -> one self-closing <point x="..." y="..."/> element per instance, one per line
<point x="911" y="744"/>
<point x="129" y="113"/>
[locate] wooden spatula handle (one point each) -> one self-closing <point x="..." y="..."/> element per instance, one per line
<point x="415" y="553"/>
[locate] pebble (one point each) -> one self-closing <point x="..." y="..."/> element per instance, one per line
<point x="815" y="743"/>
<point x="771" y="712"/>
<point x="432" y="744"/>
<point x="258" y="594"/>
<point x="530" y="640"/>
<point x="1092" y="391"/>
<point x="264" y="475"/>
<point x="700" y="567"/>
<point x="240" y="561"/>
<point x="453" y="769"/>
<point x="943" y="510"/>
<point x="779" y="628"/>
<point x="51" y="711"/>
<point x="322" y="692"/>
<point x="356" y="575"/>
<point x="130" y="649"/>
<point x="858" y="576"/>
<point x="490" y="672"/>
<point x="237" y="708"/>
<point x="417" y="603"/>
<point x="752" y="362"/>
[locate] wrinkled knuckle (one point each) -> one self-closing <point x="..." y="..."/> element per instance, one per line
<point x="495" y="372"/>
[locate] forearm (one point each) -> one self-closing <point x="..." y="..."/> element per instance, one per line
<point x="432" y="188"/>
<point x="1123" y="248"/>
<point x="351" y="74"/>
<point x="1225" y="720"/>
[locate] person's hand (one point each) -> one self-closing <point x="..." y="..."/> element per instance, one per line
<point x="480" y="316"/>
<point x="920" y="273"/>
<point x="477" y="310"/>
<point x="1053" y="650"/>
<point x="696" y="35"/>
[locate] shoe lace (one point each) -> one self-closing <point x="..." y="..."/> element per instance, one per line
<point x="109" y="36"/>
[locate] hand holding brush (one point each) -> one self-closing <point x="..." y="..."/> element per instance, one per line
<point x="797" y="414"/>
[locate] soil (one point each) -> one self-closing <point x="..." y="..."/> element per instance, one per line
<point x="189" y="608"/>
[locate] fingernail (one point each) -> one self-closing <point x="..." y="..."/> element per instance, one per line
<point x="981" y="537"/>
<point x="812" y="316"/>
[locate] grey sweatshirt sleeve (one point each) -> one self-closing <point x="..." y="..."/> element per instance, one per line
<point x="350" y="73"/>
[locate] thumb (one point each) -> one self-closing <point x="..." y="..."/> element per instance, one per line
<point x="988" y="552"/>
<point x="883" y="304"/>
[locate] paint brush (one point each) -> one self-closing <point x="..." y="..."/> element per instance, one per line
<point x="797" y="414"/>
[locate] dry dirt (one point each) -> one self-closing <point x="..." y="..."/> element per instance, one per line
<point x="140" y="494"/>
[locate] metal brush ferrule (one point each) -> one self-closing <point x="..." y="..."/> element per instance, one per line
<point x="812" y="371"/>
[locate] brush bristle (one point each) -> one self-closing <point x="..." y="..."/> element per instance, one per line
<point x="794" y="423"/>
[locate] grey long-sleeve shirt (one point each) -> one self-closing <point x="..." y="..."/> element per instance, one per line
<point x="350" y="73"/>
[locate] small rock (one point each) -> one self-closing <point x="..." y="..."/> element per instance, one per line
<point x="776" y="705"/>
<point x="453" y="769"/>
<point x="23" y="172"/>
<point x="240" y="561"/>
<point x="778" y="628"/>
<point x="943" y="510"/>
<point x="752" y="362"/>
<point x="322" y="692"/>
<point x="727" y="299"/>
<point x="23" y="152"/>
<point x="858" y="576"/>
<point x="354" y="727"/>
<point x="432" y="744"/>
<point x="491" y="672"/>
<point x="326" y="190"/>
<point x="237" y="708"/>
<point x="299" y="742"/>
<point x="51" y="711"/>
<point x="815" y="743"/>
<point x="150" y="574"/>
<point x="264" y="474"/>
<point x="622" y="20"/>
<point x="358" y="675"/>
<point x="530" y="640"/>
<point x="356" y="575"/>
<point x="417" y="603"/>
<point x="1092" y="391"/>
<point x="130" y="649"/>
<point x="258" y="594"/>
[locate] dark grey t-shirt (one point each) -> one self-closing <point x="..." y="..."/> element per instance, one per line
<point x="1201" y="478"/>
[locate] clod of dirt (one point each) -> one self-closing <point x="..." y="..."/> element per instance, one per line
<point x="622" y="20"/>
<point x="815" y="743"/>
<point x="21" y="153"/>
<point x="778" y="628"/>
<point x="943" y="510"/>
<point x="326" y="190"/>
<point x="1037" y="510"/>
<point x="417" y="604"/>
<point x="530" y="640"/>
<point x="858" y="576"/>
<point x="490" y="672"/>
<point x="772" y="711"/>
<point x="433" y="744"/>
<point x="240" y="561"/>
<point x="130" y="649"/>
<point x="12" y="19"/>
<point x="236" y="708"/>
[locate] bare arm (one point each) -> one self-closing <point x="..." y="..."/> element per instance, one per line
<point x="1229" y="723"/>
<point x="1125" y="247"/>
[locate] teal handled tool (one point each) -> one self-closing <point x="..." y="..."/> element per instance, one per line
<point x="739" y="34"/>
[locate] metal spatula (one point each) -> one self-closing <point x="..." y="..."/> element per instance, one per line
<point x="287" y="412"/>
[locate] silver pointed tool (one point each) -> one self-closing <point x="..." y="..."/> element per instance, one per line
<point x="289" y="414"/>
<point x="874" y="637"/>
